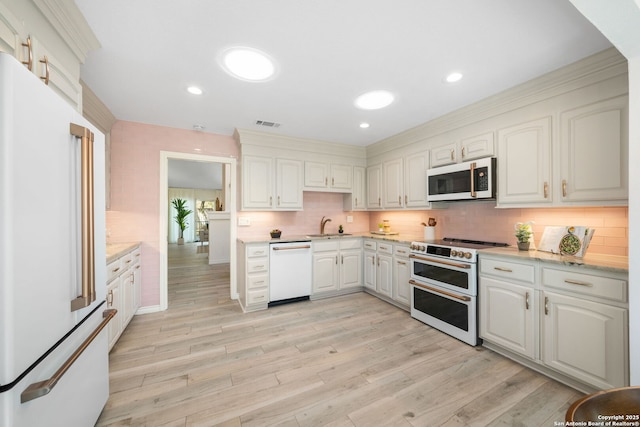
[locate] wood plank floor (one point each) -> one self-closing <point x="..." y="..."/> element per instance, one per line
<point x="346" y="361"/>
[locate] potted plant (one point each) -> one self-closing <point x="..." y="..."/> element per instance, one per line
<point x="181" y="216"/>
<point x="340" y="229"/>
<point x="523" y="234"/>
<point x="275" y="233"/>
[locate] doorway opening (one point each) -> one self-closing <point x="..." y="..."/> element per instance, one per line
<point x="227" y="215"/>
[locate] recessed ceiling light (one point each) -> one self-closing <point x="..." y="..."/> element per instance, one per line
<point x="246" y="63"/>
<point x="198" y="127"/>
<point x="374" y="100"/>
<point x="195" y="90"/>
<point x="364" y="125"/>
<point x="453" y="77"/>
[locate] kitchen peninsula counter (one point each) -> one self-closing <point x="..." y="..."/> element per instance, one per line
<point x="612" y="263"/>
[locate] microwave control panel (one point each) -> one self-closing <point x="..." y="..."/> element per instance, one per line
<point x="481" y="179"/>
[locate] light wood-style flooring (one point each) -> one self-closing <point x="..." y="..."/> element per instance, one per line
<point x="346" y="361"/>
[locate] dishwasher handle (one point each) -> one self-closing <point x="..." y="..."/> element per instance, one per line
<point x="289" y="248"/>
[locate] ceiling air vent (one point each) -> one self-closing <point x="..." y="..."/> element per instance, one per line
<point x="267" y="124"/>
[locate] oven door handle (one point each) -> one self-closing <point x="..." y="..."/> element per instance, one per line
<point x="440" y="291"/>
<point x="451" y="264"/>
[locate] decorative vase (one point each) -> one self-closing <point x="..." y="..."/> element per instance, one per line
<point x="523" y="246"/>
<point x="181" y="240"/>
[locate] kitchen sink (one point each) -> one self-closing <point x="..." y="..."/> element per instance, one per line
<point x="328" y="235"/>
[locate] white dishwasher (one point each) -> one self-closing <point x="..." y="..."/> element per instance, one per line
<point x="289" y="272"/>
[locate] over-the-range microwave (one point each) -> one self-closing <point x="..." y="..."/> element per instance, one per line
<point x="463" y="181"/>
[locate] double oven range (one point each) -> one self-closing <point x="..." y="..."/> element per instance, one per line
<point x="444" y="285"/>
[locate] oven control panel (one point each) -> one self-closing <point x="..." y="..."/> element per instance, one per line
<point x="443" y="251"/>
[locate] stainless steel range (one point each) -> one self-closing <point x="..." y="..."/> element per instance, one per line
<point x="444" y="285"/>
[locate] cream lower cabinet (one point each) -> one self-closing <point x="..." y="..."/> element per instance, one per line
<point x="253" y="276"/>
<point x="337" y="265"/>
<point x="384" y="269"/>
<point x="369" y="269"/>
<point x="567" y="321"/>
<point x="123" y="291"/>
<point x="400" y="289"/>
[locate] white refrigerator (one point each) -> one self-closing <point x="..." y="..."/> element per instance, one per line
<point x="53" y="345"/>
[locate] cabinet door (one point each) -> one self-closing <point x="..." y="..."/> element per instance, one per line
<point x="114" y="300"/>
<point x="316" y="175"/>
<point x="341" y="177"/>
<point x="392" y="184"/>
<point x="524" y="172"/>
<point x="351" y="269"/>
<point x="401" y="276"/>
<point x="137" y="279"/>
<point x="128" y="296"/>
<point x="507" y="315"/>
<point x="325" y="271"/>
<point x="594" y="151"/>
<point x="374" y="185"/>
<point x="357" y="197"/>
<point x="288" y="184"/>
<point x="415" y="180"/>
<point x="11" y="35"/>
<point x="444" y="155"/>
<point x="369" y="270"/>
<point x="477" y="146"/>
<point x="585" y="340"/>
<point x="384" y="275"/>
<point x="257" y="182"/>
<point x="49" y="67"/>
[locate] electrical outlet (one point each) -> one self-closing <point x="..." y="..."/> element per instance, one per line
<point x="244" y="221"/>
<point x="349" y="218"/>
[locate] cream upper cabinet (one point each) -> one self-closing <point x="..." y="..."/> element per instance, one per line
<point x="469" y="148"/>
<point x="392" y="184"/>
<point x="271" y="183"/>
<point x="524" y="163"/>
<point x="357" y="199"/>
<point x="374" y="186"/>
<point x="327" y="176"/>
<point x="594" y="152"/>
<point x="415" y="180"/>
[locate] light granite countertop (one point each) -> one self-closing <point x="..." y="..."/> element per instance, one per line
<point x="116" y="250"/>
<point x="396" y="238"/>
<point x="613" y="263"/>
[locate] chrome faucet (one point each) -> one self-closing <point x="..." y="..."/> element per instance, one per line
<point x="323" y="222"/>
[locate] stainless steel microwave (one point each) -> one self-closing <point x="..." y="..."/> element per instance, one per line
<point x="463" y="181"/>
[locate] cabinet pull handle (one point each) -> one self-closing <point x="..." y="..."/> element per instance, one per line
<point x="336" y="259"/>
<point x="526" y="301"/>
<point x="402" y="263"/>
<point x="341" y="259"/>
<point x="462" y="152"/>
<point x="406" y="200"/>
<point x="332" y="182"/>
<point x="503" y="269"/>
<point x="546" y="189"/>
<point x="401" y="251"/>
<point x="115" y="270"/>
<point x="378" y="261"/>
<point x="577" y="282"/>
<point x="452" y="155"/>
<point x="373" y="260"/>
<point x="258" y="266"/>
<point x="270" y="200"/>
<point x="45" y="78"/>
<point x="29" y="61"/>
<point x="278" y="200"/>
<point x="546" y="305"/>
<point x="400" y="200"/>
<point x="356" y="201"/>
<point x="110" y="298"/>
<point x="564" y="188"/>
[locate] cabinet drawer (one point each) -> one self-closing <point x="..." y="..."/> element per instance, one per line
<point x="257" y="251"/>
<point x="585" y="284"/>
<point x="127" y="261"/>
<point x="258" y="281"/>
<point x="257" y="265"/>
<point x="370" y="246"/>
<point x="326" y="245"/>
<point x="385" y="248"/>
<point x="402" y="251"/>
<point x="508" y="270"/>
<point x="258" y="296"/>
<point x="135" y="255"/>
<point x="113" y="270"/>
<point x="351" y="244"/>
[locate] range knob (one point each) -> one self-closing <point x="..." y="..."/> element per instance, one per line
<point x="454" y="253"/>
<point x="467" y="255"/>
<point x="421" y="248"/>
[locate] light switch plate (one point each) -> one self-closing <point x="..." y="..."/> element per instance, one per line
<point x="244" y="221"/>
<point x="349" y="218"/>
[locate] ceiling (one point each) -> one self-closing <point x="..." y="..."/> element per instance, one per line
<point x="327" y="53"/>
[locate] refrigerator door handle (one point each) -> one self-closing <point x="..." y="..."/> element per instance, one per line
<point x="88" y="258"/>
<point x="43" y="388"/>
